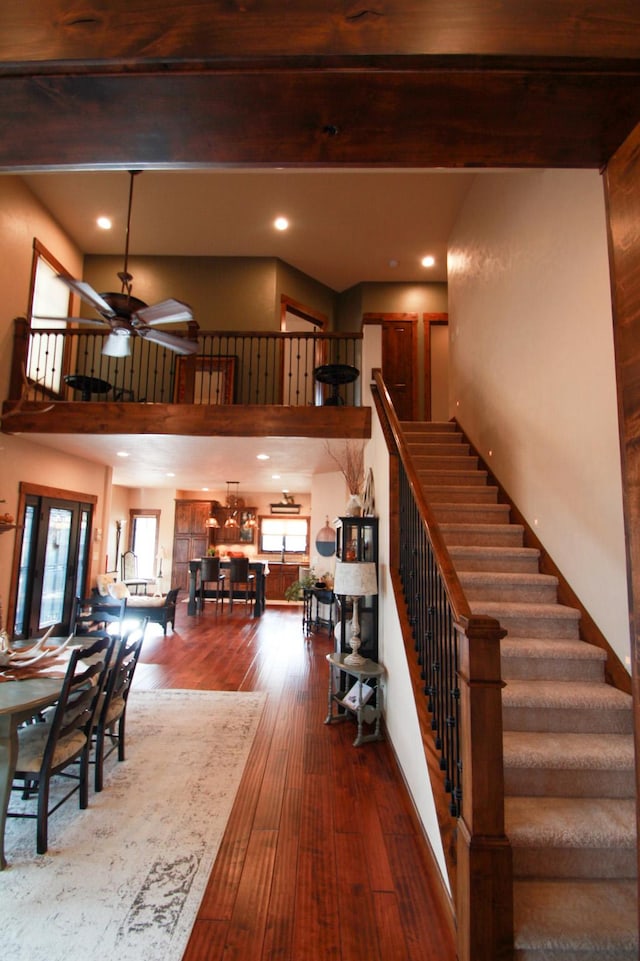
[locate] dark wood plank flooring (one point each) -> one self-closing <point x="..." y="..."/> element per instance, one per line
<point x="322" y="857"/>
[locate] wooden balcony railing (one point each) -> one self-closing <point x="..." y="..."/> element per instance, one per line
<point x="263" y="367"/>
<point x="454" y="661"/>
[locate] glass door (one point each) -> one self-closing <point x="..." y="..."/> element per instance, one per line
<point x="53" y="564"/>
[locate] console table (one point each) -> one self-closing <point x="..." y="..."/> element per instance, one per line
<point x="354" y="701"/>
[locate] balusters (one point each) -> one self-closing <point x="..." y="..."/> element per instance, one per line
<point x="434" y="637"/>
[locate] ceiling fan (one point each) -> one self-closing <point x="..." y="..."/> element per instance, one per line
<point x="126" y="314"/>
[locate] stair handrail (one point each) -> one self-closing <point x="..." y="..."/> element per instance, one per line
<point x="484" y="885"/>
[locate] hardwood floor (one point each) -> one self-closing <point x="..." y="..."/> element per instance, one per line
<point x="322" y="857"/>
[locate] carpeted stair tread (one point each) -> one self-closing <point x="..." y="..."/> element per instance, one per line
<point x="565" y="706"/>
<point x="570" y="693"/>
<point x="548" y="658"/>
<point x="512" y="587"/>
<point x="569" y="764"/>
<point x="572" y="837"/>
<point x="575" y="920"/>
<point x="531" y="620"/>
<point x="577" y="751"/>
<point x="477" y="558"/>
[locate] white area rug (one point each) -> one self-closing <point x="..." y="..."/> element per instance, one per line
<point x="124" y="878"/>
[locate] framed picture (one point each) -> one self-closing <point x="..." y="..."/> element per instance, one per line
<point x="213" y="379"/>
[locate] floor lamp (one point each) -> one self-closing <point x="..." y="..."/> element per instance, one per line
<point x="355" y="579"/>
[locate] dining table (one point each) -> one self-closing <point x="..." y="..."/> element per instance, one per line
<point x="19" y="701"/>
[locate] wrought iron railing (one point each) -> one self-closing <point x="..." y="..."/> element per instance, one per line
<point x="265" y="367"/>
<point x="434" y="636"/>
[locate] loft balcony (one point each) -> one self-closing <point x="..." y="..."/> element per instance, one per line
<point x="260" y="383"/>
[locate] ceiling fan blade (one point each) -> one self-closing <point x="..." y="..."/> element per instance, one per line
<point x="178" y="344"/>
<point x="167" y="312"/>
<point x="88" y="294"/>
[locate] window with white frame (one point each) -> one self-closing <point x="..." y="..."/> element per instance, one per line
<point x="288" y="534"/>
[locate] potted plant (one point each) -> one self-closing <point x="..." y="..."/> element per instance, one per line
<point x="294" y="590"/>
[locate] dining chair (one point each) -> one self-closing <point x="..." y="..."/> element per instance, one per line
<point x="101" y="614"/>
<point x="210" y="573"/>
<point x="50" y="747"/>
<point x="111" y="715"/>
<point x="240" y="576"/>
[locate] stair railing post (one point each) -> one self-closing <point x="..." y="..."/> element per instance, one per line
<point x="484" y="900"/>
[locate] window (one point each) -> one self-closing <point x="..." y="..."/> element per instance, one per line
<point x="288" y="534"/>
<point x="144" y="541"/>
<point x="49" y="299"/>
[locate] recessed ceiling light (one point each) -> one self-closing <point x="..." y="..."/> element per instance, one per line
<point x="104" y="223"/>
<point x="204" y="488"/>
<point x="170" y="474"/>
<point x="281" y="223"/>
<point x="122" y="453"/>
<point x="428" y="261"/>
<point x="263" y="457"/>
<point x="275" y="477"/>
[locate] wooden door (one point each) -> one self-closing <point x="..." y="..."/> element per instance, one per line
<point x="399" y="356"/>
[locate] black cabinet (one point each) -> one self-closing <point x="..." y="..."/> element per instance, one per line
<point x="357" y="540"/>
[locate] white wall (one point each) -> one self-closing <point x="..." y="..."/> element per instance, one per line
<point x="532" y="377"/>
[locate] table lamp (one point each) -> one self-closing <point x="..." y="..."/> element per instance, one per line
<point x="355" y="579"/>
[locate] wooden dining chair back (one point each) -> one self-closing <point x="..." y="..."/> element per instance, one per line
<point x="98" y="613"/>
<point x="111" y="717"/>
<point x="210" y="573"/>
<point x="242" y="578"/>
<point x="63" y="739"/>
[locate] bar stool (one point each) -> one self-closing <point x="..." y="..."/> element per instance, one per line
<point x="240" y="575"/>
<point x="210" y="573"/>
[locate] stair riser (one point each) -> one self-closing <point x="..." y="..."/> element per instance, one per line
<point x="461" y="495"/>
<point x="566" y="720"/>
<point x="452" y="448"/>
<point x="534" y="625"/>
<point x="557" y="862"/>
<point x="453" y="478"/>
<point x="510" y="593"/>
<point x="551" y="669"/>
<point x="568" y="782"/>
<point x="472" y="513"/>
<point x="509" y="536"/>
<point x="494" y="561"/>
<point x="450" y="462"/>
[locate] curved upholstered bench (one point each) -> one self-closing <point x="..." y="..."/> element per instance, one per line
<point x="160" y="609"/>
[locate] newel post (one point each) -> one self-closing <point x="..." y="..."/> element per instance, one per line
<point x="485" y="877"/>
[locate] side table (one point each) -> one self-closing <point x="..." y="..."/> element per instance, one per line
<point x="354" y="702"/>
<point x="313" y="597"/>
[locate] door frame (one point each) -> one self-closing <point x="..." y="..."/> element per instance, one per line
<point x="429" y="319"/>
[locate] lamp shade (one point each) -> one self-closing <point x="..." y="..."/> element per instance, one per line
<point x="355" y="578"/>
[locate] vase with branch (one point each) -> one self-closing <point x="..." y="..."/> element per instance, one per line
<point x="350" y="460"/>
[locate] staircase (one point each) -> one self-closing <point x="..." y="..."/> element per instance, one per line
<point x="568" y="742"/>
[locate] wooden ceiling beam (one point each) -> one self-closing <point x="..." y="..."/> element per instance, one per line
<point x="444" y="117"/>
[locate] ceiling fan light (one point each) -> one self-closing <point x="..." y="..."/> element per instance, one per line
<point x="117" y="345"/>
